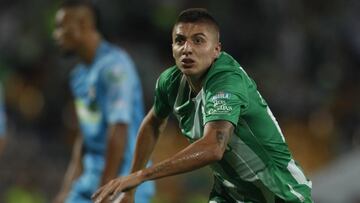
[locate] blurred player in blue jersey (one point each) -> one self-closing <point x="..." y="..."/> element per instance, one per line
<point x="108" y="103"/>
<point x="2" y="121"/>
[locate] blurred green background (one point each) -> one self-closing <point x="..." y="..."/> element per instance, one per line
<point x="304" y="56"/>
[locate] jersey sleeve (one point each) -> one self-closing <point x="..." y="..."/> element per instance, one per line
<point x="162" y="107"/>
<point x="226" y="97"/>
<point x="118" y="83"/>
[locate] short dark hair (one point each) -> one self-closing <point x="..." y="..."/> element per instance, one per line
<point x="193" y="15"/>
<point x="83" y="3"/>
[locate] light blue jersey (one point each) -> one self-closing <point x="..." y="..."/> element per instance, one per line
<point x="106" y="92"/>
<point x="2" y="114"/>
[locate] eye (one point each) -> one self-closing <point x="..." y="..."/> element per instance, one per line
<point x="198" y="40"/>
<point x="179" y="40"/>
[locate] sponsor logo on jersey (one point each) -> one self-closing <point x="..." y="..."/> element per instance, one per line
<point x="220" y="104"/>
<point x="220" y="95"/>
<point x="87" y="113"/>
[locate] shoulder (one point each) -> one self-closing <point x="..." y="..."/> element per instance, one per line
<point x="115" y="61"/>
<point x="226" y="74"/>
<point x="225" y="66"/>
<point x="169" y="77"/>
<point x="226" y="59"/>
<point x="115" y="55"/>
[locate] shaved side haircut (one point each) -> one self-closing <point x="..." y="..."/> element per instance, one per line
<point x="197" y="15"/>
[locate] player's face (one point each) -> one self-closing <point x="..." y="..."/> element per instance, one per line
<point x="195" y="46"/>
<point x="67" y="32"/>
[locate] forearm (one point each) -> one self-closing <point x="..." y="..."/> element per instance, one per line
<point x="209" y="149"/>
<point x="115" y="151"/>
<point x="195" y="156"/>
<point x="149" y="131"/>
<point x="73" y="172"/>
<point x="75" y="166"/>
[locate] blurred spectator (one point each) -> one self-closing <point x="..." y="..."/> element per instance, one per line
<point x="108" y="103"/>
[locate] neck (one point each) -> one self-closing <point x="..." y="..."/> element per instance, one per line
<point x="88" y="50"/>
<point x="195" y="83"/>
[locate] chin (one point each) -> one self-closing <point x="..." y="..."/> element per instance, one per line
<point x="187" y="71"/>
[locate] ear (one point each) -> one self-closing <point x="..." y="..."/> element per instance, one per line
<point x="217" y="50"/>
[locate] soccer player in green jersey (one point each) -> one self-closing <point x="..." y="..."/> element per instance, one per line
<point x="229" y="125"/>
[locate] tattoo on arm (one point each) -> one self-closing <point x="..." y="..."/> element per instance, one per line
<point x="221" y="138"/>
<point x="193" y="156"/>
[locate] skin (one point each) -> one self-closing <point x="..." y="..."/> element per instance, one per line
<point x="76" y="33"/>
<point x="195" y="47"/>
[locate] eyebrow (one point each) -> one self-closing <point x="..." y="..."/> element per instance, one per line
<point x="196" y="34"/>
<point x="200" y="33"/>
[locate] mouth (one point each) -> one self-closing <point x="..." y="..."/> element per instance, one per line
<point x="187" y="62"/>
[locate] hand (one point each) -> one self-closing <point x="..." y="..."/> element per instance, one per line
<point x="113" y="189"/>
<point x="125" y="197"/>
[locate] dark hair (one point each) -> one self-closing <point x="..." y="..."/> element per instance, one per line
<point x="83" y="3"/>
<point x="193" y="15"/>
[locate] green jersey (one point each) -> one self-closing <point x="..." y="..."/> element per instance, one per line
<point x="257" y="165"/>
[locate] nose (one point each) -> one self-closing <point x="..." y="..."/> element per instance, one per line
<point x="187" y="49"/>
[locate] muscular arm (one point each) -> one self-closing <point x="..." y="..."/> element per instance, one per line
<point x="210" y="148"/>
<point x="117" y="139"/>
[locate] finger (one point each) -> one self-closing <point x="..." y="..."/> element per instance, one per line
<point x="106" y="191"/>
<point x="97" y="192"/>
<point x="100" y="197"/>
<point x="116" y="197"/>
<point x="102" y="189"/>
<point x="116" y="193"/>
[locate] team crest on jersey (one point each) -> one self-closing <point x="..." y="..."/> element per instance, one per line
<point x="220" y="103"/>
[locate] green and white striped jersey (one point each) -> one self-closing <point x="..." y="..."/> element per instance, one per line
<point x="257" y="164"/>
